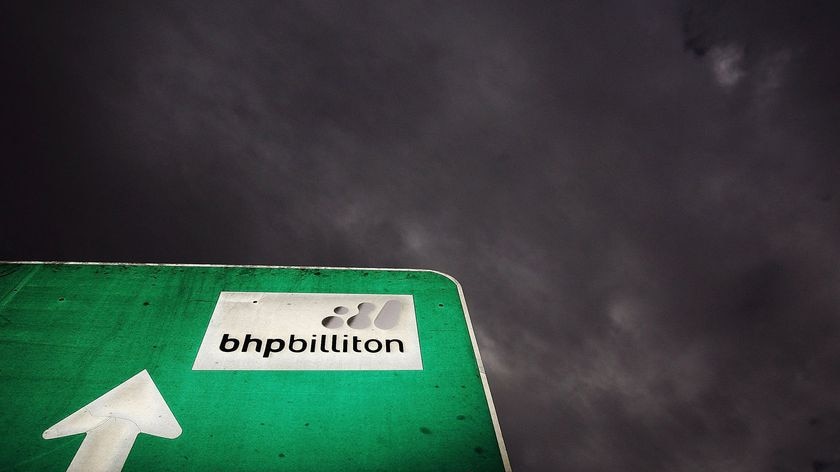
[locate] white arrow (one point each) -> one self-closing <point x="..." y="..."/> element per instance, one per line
<point x="112" y="423"/>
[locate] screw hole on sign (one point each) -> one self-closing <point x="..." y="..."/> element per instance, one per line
<point x="362" y="319"/>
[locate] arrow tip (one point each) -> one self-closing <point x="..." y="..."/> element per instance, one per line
<point x="137" y="400"/>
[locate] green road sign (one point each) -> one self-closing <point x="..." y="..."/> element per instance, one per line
<point x="162" y="367"/>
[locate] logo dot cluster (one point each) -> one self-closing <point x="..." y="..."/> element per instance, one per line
<point x="386" y="318"/>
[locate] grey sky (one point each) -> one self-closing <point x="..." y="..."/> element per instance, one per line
<point x="640" y="198"/>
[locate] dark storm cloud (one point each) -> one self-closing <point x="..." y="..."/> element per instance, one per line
<point x="640" y="200"/>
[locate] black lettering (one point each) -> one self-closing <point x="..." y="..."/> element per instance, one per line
<point x="388" y="344"/>
<point x="227" y="339"/>
<point x="230" y="344"/>
<point x="247" y="342"/>
<point x="269" y="346"/>
<point x="292" y="342"/>
<point x="378" y="345"/>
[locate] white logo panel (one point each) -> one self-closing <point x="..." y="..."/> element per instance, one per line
<point x="311" y="331"/>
